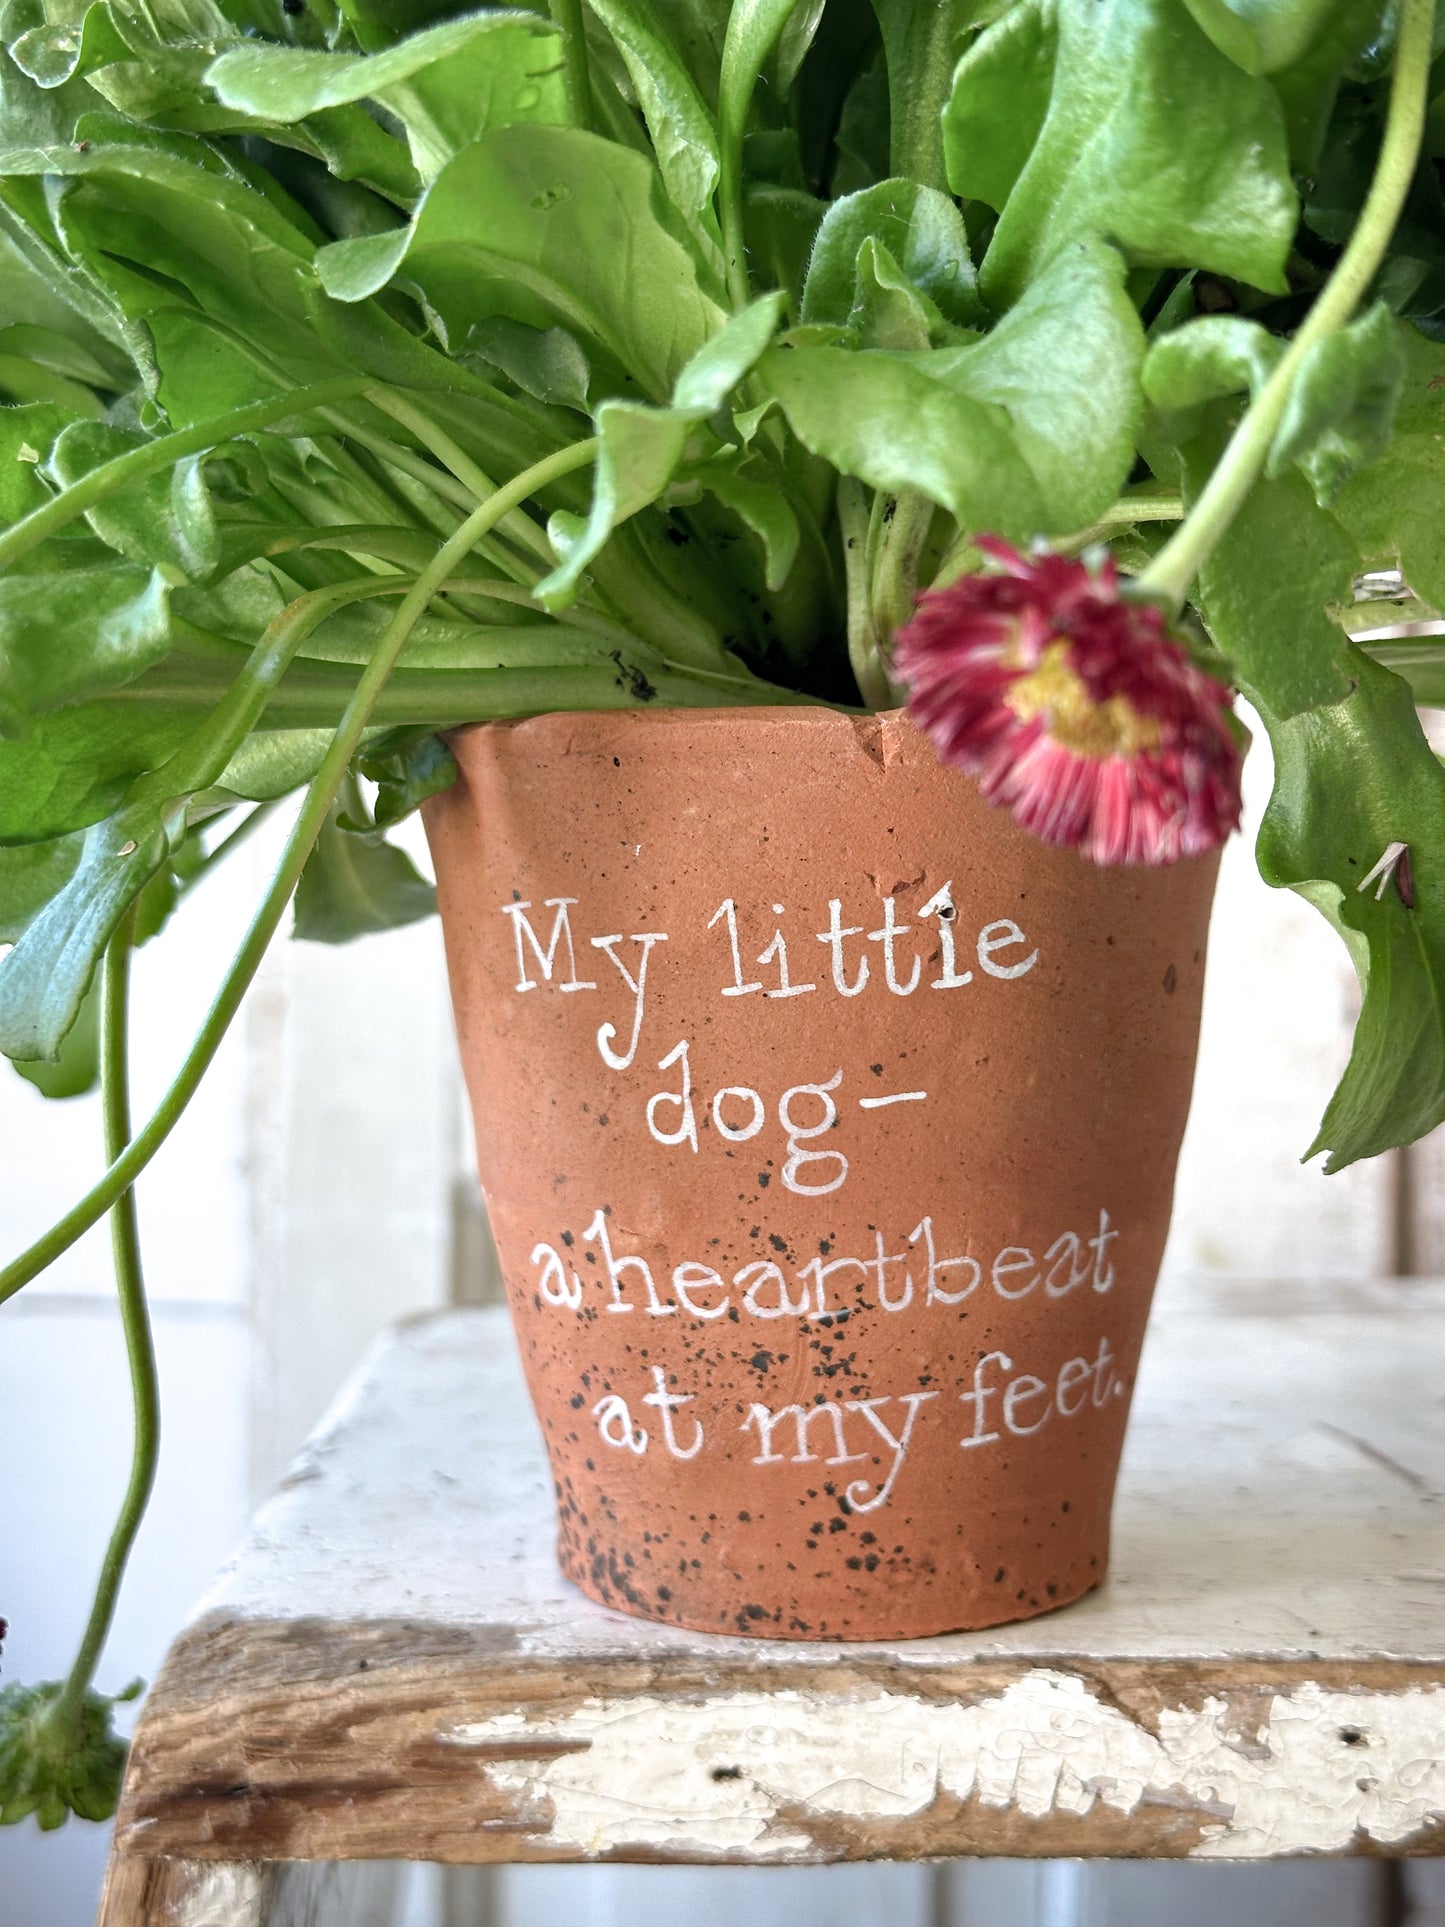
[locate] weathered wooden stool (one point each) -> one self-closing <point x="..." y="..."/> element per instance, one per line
<point x="393" y="1668"/>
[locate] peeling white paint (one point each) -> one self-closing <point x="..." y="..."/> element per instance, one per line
<point x="716" y="1775"/>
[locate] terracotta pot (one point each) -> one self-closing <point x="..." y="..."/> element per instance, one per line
<point x="828" y="1124"/>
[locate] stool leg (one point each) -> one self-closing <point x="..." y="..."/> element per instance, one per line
<point x="224" y="1893"/>
<point x="183" y="1893"/>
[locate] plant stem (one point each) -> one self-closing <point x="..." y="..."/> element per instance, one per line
<point x="863" y="657"/>
<point x="130" y="1162"/>
<point x="33" y="529"/>
<point x="441" y="483"/>
<point x="482" y="487"/>
<point x="135" y="1322"/>
<point x="1169" y="575"/>
<point x="452" y="698"/>
<point x="920" y="79"/>
<point x="231" y="842"/>
<point x="567" y="19"/>
<point x="754" y="29"/>
<point x="895" y="568"/>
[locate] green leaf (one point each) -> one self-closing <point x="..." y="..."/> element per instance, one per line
<point x="1350" y="780"/>
<point x="354" y="884"/>
<point x="1206" y="360"/>
<point x="447" y="85"/>
<point x="553" y="227"/>
<point x="50" y="54"/>
<point x="1395" y="509"/>
<point x="75" y="1071"/>
<point x="30" y="875"/>
<point x="640" y="448"/>
<point x="863" y="128"/>
<point x="921" y="43"/>
<point x="44" y="978"/>
<point x="1340" y="415"/>
<point x="165" y="521"/>
<point x="753" y="31"/>
<point x="70" y="636"/>
<point x="168" y="237"/>
<point x="755" y="498"/>
<point x="697" y="28"/>
<point x="1261" y="36"/>
<point x="780" y="224"/>
<point x="545" y="362"/>
<point x="1264" y="591"/>
<point x="26" y="434"/>
<point x="379" y="23"/>
<point x="1150" y="136"/>
<point x="273" y="762"/>
<point x="923" y="233"/>
<point x="1029" y="431"/>
<point x="52" y="1771"/>
<point x="407" y="766"/>
<point x="712" y="374"/>
<point x="677" y="115"/>
<point x="890" y="312"/>
<point x="76" y="765"/>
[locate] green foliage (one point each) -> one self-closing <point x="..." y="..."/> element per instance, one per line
<point x="1267" y="590"/>
<point x="921" y="234"/>
<point x="553" y="227"/>
<point x="1030" y="430"/>
<point x="356" y="883"/>
<point x="1341" y="410"/>
<point x="52" y="1767"/>
<point x="75" y="634"/>
<point x="407" y="767"/>
<point x="202" y="207"/>
<point x="1100" y="145"/>
<point x="75" y="1071"/>
<point x="446" y="85"/>
<point x="678" y="117"/>
<point x="1351" y="779"/>
<point x="641" y="449"/>
<point x="1395" y="509"/>
<point x="1261" y="36"/>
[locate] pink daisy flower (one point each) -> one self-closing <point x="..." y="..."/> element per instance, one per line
<point x="1074" y="708"/>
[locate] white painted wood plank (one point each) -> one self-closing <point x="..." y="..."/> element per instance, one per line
<point x="1280" y="1495"/>
<point x="1245" y="1675"/>
<point x="1280" y="1000"/>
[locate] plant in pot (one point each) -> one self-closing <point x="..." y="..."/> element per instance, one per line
<point x="671" y="392"/>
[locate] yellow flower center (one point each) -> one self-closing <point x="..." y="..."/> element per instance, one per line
<point x="1058" y="693"/>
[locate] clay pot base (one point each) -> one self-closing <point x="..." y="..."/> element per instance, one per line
<point x="828" y="1126"/>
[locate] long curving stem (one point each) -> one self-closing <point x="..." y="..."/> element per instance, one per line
<point x="1169" y="575"/>
<point x="135" y="1323"/>
<point x="126" y="1167"/>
